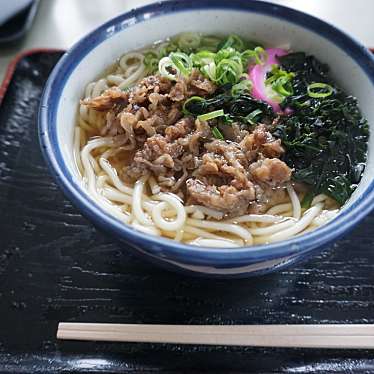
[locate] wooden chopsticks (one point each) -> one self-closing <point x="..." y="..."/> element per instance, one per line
<point x="303" y="336"/>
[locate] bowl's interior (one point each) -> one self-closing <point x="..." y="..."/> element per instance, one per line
<point x="269" y="30"/>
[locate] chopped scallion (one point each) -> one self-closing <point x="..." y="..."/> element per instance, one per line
<point x="188" y="41"/>
<point x="202" y="58"/>
<point x="210" y="42"/>
<point x="319" y="90"/>
<point x="232" y="41"/>
<point x="151" y="60"/>
<point x="210" y="71"/>
<point x="182" y="62"/>
<point x="229" y="71"/>
<point x="252" y="116"/>
<point x="280" y="81"/>
<point x="211" y="115"/>
<point x="217" y="134"/>
<point x="176" y="64"/>
<point x="192" y="99"/>
<point x="258" y="54"/>
<point x="282" y="86"/>
<point x="167" y="69"/>
<point x="243" y="86"/>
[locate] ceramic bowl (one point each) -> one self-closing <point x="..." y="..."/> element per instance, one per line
<point x="352" y="67"/>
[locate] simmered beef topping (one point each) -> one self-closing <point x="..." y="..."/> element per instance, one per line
<point x="235" y="175"/>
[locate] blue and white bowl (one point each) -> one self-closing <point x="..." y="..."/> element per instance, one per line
<point x="352" y="67"/>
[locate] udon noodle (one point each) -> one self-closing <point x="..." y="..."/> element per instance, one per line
<point x="147" y="206"/>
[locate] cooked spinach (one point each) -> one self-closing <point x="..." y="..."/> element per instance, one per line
<point x="325" y="138"/>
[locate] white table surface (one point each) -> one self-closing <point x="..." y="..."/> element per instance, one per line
<point x="60" y="23"/>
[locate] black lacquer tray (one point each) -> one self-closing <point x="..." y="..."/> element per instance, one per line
<point x="54" y="266"/>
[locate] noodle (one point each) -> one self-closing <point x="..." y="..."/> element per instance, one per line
<point x="179" y="235"/>
<point x="296" y="207"/>
<point x="169" y="200"/>
<point x="92" y="180"/>
<point x="101" y="180"/>
<point x="318" y="199"/>
<point x="77" y="145"/>
<point x="132" y="72"/>
<point x="281" y="208"/>
<point x="207" y="211"/>
<point x="228" y="227"/>
<point x="219" y="243"/>
<point x="83" y="110"/>
<point x="274" y="228"/>
<point x="266" y="218"/>
<point x="155" y="188"/>
<point x="208" y="235"/>
<point x="137" y="209"/>
<point x="146" y="229"/>
<point x="299" y="226"/>
<point x="198" y="214"/>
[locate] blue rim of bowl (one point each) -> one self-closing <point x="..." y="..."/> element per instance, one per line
<point x="193" y="254"/>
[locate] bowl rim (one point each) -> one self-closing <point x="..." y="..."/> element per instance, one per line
<point x="155" y="245"/>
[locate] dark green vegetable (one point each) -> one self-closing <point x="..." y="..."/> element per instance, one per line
<point x="217" y="134"/>
<point x="326" y="137"/>
<point x="189" y="102"/>
<point x="307" y="200"/>
<point x="241" y="107"/>
<point x="252" y="117"/>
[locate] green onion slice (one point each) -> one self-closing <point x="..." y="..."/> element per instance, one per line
<point x="217" y="134"/>
<point x="210" y="43"/>
<point x="252" y="116"/>
<point x="202" y="58"/>
<point x="280" y="81"/>
<point x="258" y="54"/>
<point x="182" y="62"/>
<point x="320" y="90"/>
<point x="165" y="48"/>
<point x="211" y="115"/>
<point x="233" y="41"/>
<point x="165" y="65"/>
<point x="189" y="41"/>
<point x="227" y="53"/>
<point x="149" y="54"/>
<point x="210" y="71"/>
<point x="189" y="101"/>
<point x="282" y="86"/>
<point x="151" y="60"/>
<point x="229" y="71"/>
<point x="242" y="87"/>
